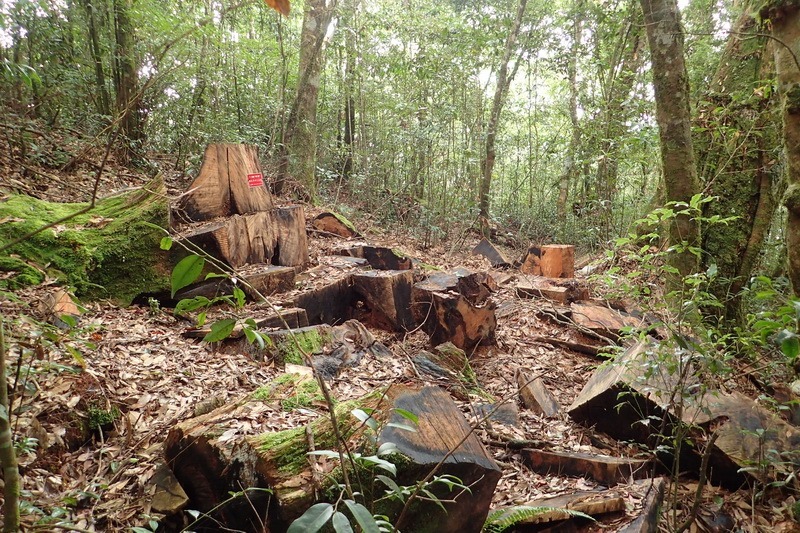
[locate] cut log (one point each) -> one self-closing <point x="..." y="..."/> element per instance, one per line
<point x="587" y="349"/>
<point x="379" y="258"/>
<point x="329" y="304"/>
<point x="490" y="252"/>
<point x="592" y="503"/>
<point x="551" y="260"/>
<point x="276" y="237"/>
<point x="647" y="521"/>
<point x="449" y="364"/>
<point x="387" y="297"/>
<point x="58" y="306"/>
<point x="604" y="320"/>
<point x="606" y="470"/>
<point x="293" y="317"/>
<point x="264" y="280"/>
<point x="454" y="309"/>
<point x="562" y="291"/>
<point x="334" y="224"/>
<point x="284" y="463"/>
<point x="169" y="497"/>
<point x="536" y="397"/>
<point x="230" y="182"/>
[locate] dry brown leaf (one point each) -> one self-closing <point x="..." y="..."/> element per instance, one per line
<point x="281" y="6"/>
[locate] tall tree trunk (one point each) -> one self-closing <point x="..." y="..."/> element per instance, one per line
<point x="299" y="153"/>
<point x="504" y="78"/>
<point x="671" y="84"/>
<point x="8" y="459"/>
<point x="785" y="18"/>
<point x="103" y="100"/>
<point x="126" y="80"/>
<point x="570" y="169"/>
<point x="736" y="167"/>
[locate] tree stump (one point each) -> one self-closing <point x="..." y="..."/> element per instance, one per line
<point x="551" y="260"/>
<point x="379" y="258"/>
<point x="230" y="182"/>
<point x="330" y="304"/>
<point x="454" y="309"/>
<point x="387" y="296"/>
<point x="562" y="291"/>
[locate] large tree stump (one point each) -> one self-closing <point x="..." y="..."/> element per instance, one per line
<point x="551" y="260"/>
<point x="455" y="309"/>
<point x="387" y="296"/>
<point x="276" y="237"/>
<point x="230" y="182"/>
<point x="330" y="304"/>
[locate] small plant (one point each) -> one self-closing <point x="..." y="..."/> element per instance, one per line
<point x="101" y="419"/>
<point x="500" y="520"/>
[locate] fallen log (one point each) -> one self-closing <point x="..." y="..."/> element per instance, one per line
<point x="604" y="320"/>
<point x="606" y="470"/>
<point x="536" y="397"/>
<point x="454" y="309"/>
<point x="334" y="224"/>
<point x="387" y="298"/>
<point x="592" y="503"/>
<point x="230" y="182"/>
<point x="562" y="291"/>
<point x="379" y="258"/>
<point x="647" y="521"/>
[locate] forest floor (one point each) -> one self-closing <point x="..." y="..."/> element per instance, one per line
<point x="135" y="360"/>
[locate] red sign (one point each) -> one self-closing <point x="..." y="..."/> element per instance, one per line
<point x="255" y="180"/>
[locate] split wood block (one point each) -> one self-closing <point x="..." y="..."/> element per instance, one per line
<point x="334" y="224"/>
<point x="58" y="305"/>
<point x="330" y="304"/>
<point x="562" y="291"/>
<point x="606" y="470"/>
<point x="259" y="279"/>
<point x="276" y="237"/>
<point x="454" y="309"/>
<point x="551" y="260"/>
<point x="536" y="397"/>
<point x="488" y="250"/>
<point x="293" y="317"/>
<point x="230" y="182"/>
<point x="647" y="521"/>
<point x="169" y="497"/>
<point x="603" y="319"/>
<point x="592" y="503"/>
<point x="379" y="258"/>
<point x="387" y="296"/>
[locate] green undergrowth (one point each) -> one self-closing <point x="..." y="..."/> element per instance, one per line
<point x="111" y="251"/>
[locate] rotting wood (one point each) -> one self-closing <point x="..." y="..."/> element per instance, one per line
<point x="334" y="224"/>
<point x="603" y="319"/>
<point x="227" y="184"/>
<point x="587" y="349"/>
<point x="647" y="521"/>
<point x="169" y="497"/>
<point x="536" y="397"/>
<point x="379" y="258"/>
<point x="496" y="258"/>
<point x="606" y="470"/>
<point x="454" y="309"/>
<point x="592" y="503"/>
<point x="387" y="297"/>
<point x="551" y="260"/>
<point x="562" y="291"/>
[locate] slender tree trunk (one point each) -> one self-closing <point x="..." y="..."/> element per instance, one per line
<point x="570" y="169"/>
<point x="736" y="168"/>
<point x="8" y="458"/>
<point x="126" y="80"/>
<point x="298" y="157"/>
<point x="103" y="100"/>
<point x="504" y="78"/>
<point x="671" y="84"/>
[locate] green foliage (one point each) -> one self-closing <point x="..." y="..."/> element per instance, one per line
<point x="500" y="520"/>
<point x="99" y="417"/>
<point x="778" y="323"/>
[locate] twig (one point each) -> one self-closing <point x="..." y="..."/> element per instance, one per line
<point x="701" y="482"/>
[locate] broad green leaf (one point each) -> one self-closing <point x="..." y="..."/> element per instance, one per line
<point x="389" y="482"/>
<point x="166" y="243"/>
<point x="381" y="463"/>
<point x="386" y="448"/>
<point x="191" y="304"/>
<point x="313" y="519"/>
<point x="365" y="418"/>
<point x="240" y="296"/>
<point x="340" y="523"/>
<point x="221" y="329"/>
<point x="186" y="272"/>
<point x="363" y="517"/>
<point x="790" y="345"/>
<point x="404" y="427"/>
<point x="408" y="415"/>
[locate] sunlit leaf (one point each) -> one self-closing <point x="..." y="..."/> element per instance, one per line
<point x="220" y="330"/>
<point x="186" y="271"/>
<point x="341" y="524"/>
<point x="363" y="517"/>
<point x="313" y="519"/>
<point x="281" y="6"/>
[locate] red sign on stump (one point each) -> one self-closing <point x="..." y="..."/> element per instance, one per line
<point x="255" y="180"/>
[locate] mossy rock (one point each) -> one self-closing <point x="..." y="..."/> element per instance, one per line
<point x="111" y="251"/>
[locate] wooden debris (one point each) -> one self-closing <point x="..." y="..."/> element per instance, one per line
<point x="292" y="242"/>
<point x="448" y="363"/>
<point x="490" y="252"/>
<point x="552" y="261"/>
<point x="606" y="470"/>
<point x="169" y="497"/>
<point x="587" y="349"/>
<point x="562" y="291"/>
<point x="329" y="304"/>
<point x="230" y="182"/>
<point x="536" y="397"/>
<point x="58" y="305"/>
<point x="378" y="257"/>
<point x="334" y="224"/>
<point x="647" y="521"/>
<point x="387" y="297"/>
<point x="265" y="280"/>
<point x="604" y="320"/>
<point x="293" y="317"/>
<point x="454" y="309"/>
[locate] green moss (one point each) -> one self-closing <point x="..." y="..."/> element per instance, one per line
<point x="101" y="418"/>
<point x="116" y="256"/>
<point x="310" y="341"/>
<point x="23" y="274"/>
<point x="293" y="391"/>
<point x="341" y="218"/>
<point x="792" y="198"/>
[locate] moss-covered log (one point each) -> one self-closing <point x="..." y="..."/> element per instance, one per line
<point x="111" y="251"/>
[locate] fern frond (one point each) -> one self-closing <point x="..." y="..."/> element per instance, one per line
<point x="501" y="519"/>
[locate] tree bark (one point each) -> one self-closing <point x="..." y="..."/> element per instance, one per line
<point x="8" y="459"/>
<point x="785" y="18"/>
<point x="298" y="157"/>
<point x="671" y="84"/>
<point x="126" y="80"/>
<point x="504" y="78"/>
<point x="103" y="103"/>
